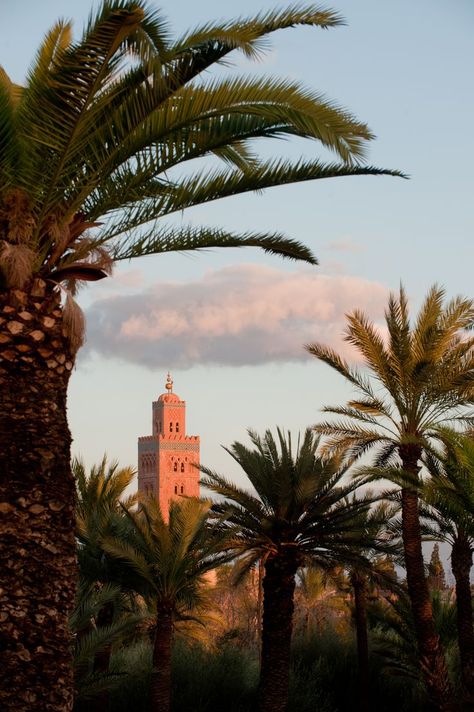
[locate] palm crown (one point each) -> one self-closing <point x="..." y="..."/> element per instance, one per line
<point x="168" y="559"/>
<point x="100" y="494"/>
<point x="91" y="148"/>
<point x="419" y="377"/>
<point x="301" y="508"/>
<point x="450" y="491"/>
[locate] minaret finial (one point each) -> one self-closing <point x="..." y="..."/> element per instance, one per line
<point x="169" y="383"/>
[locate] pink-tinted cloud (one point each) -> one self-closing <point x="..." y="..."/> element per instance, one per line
<point x="234" y="316"/>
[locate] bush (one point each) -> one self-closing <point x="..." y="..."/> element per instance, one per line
<point x="203" y="681"/>
<point x="330" y="661"/>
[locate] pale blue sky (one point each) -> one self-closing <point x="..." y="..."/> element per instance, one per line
<point x="406" y="69"/>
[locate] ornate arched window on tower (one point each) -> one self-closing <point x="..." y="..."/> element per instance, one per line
<point x="177" y="427"/>
<point x="182" y="467"/>
<point x="175" y="467"/>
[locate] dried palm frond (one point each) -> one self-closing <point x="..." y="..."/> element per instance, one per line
<point x="73" y="323"/>
<point x="17" y="212"/>
<point x="16" y="264"/>
<point x="96" y="255"/>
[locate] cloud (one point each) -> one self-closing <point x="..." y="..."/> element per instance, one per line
<point x="241" y="315"/>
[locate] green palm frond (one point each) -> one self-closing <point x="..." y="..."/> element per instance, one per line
<point x="160" y="239"/>
<point x="303" y="506"/>
<point x="10" y="147"/>
<point x="420" y="380"/>
<point x="95" y="640"/>
<point x="245" y="33"/>
<point x="330" y="357"/>
<point x="449" y="493"/>
<point x="169" y="558"/>
<point x="92" y="148"/>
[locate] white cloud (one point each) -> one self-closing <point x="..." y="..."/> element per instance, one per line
<point x="240" y="315"/>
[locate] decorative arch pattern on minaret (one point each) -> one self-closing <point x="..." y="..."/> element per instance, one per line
<point x="167" y="458"/>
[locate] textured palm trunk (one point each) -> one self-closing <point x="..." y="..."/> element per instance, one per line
<point x="37" y="546"/>
<point x="461" y="563"/>
<point x="432" y="660"/>
<point x="360" y="614"/>
<point x="101" y="663"/>
<point x="161" y="674"/>
<point x="277" y="626"/>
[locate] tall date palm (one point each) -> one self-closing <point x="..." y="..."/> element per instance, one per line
<point x="301" y="514"/>
<point x="450" y="495"/>
<point x="375" y="573"/>
<point x="419" y="377"/>
<point x="92" y="156"/>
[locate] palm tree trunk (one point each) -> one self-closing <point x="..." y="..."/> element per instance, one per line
<point x="277" y="626"/>
<point x="259" y="603"/>
<point x="360" y="610"/>
<point x="432" y="660"/>
<point x="37" y="491"/>
<point x="461" y="563"/>
<point x="161" y="674"/>
<point x="101" y="663"/>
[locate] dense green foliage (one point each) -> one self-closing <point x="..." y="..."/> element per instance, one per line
<point x="215" y="659"/>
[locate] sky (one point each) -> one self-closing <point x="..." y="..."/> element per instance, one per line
<point x="230" y="325"/>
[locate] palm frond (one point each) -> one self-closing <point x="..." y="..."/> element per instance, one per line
<point x="181" y="239"/>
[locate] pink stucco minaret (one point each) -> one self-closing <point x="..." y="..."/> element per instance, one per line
<point x="167" y="459"/>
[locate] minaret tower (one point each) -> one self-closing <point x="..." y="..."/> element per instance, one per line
<point x="167" y="459"/>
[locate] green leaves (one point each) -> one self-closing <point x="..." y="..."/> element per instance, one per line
<point x="108" y="127"/>
<point x="168" y="558"/>
<point x="200" y="238"/>
<point x="420" y="376"/>
<point x="246" y="34"/>
<point x="299" y="506"/>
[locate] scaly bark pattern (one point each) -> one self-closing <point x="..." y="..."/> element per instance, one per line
<point x="278" y="606"/>
<point x="432" y="660"/>
<point x="101" y="663"/>
<point x="161" y="674"/>
<point x="37" y="547"/>
<point x="461" y="563"/>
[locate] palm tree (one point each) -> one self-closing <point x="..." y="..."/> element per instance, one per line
<point x="167" y="562"/>
<point x="299" y="515"/>
<point x="395" y="640"/>
<point x="87" y="152"/>
<point x="418" y="377"/>
<point x="450" y="496"/>
<point x="99" y="513"/>
<point x="94" y="639"/>
<point x="319" y="599"/>
<point x="365" y="580"/>
<point x="100" y="503"/>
